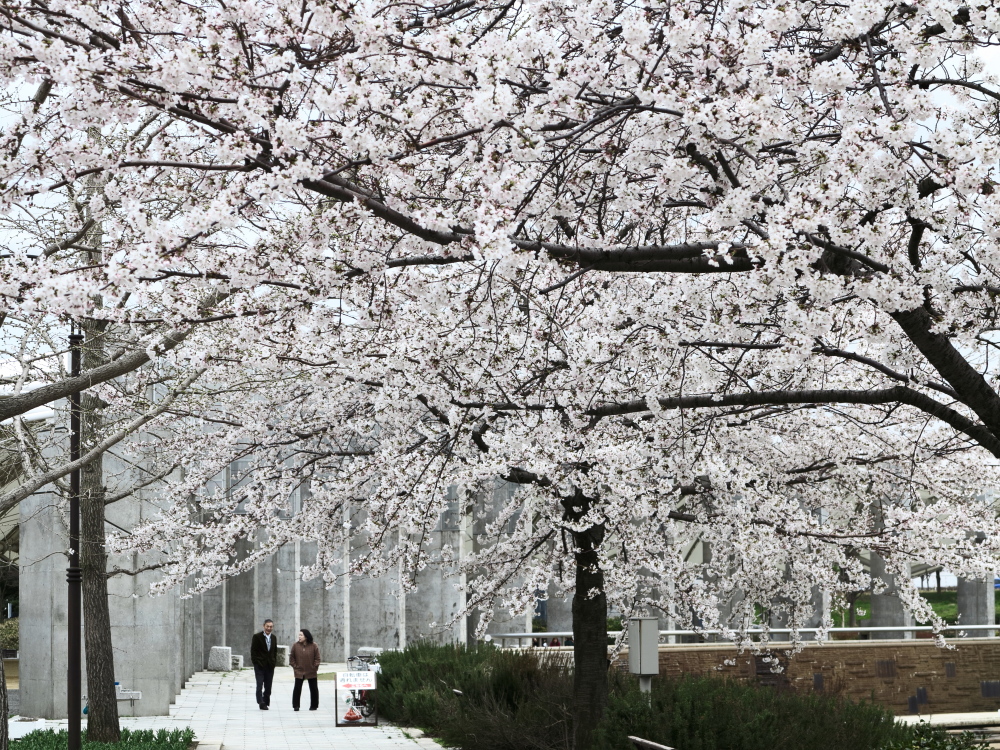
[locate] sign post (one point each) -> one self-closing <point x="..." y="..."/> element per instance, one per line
<point x="356" y="699"/>
<point x="643" y="650"/>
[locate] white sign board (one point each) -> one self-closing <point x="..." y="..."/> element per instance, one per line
<point x="355" y="680"/>
<point x="643" y="646"/>
<point x="356" y="699"/>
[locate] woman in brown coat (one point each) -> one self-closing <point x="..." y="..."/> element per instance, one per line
<point x="304" y="661"/>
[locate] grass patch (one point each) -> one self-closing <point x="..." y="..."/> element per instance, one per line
<point x="487" y="699"/>
<point x="944" y="604"/>
<point x="139" y="739"/>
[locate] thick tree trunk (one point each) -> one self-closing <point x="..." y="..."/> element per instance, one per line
<point x="590" y="632"/>
<point x="102" y="702"/>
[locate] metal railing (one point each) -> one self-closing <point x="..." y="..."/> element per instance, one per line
<point x="562" y="634"/>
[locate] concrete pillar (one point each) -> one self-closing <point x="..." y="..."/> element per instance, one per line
<point x="976" y="605"/>
<point x="401" y="598"/>
<point x="297" y="586"/>
<point x="820" y="608"/>
<point x="43" y="539"/>
<point x="668" y="621"/>
<point x="347" y="588"/>
<point x="257" y="617"/>
<point x="666" y="616"/>
<point x="730" y="610"/>
<point x="240" y="598"/>
<point x="465" y="549"/>
<point x="887" y="609"/>
<point x="529" y="616"/>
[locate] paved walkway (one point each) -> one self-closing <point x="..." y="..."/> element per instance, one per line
<point x="221" y="709"/>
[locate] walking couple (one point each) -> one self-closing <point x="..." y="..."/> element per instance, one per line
<point x="303" y="659"/>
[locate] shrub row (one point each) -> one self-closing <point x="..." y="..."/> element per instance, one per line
<point x="10" y="634"/>
<point x="698" y="713"/>
<point x="488" y="699"/>
<point x="139" y="739"/>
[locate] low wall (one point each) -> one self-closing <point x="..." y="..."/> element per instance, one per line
<point x="907" y="676"/>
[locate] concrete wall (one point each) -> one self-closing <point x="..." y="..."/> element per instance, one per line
<point x="887" y="609"/>
<point x="976" y="603"/>
<point x="159" y="642"/>
<point x="43" y="540"/>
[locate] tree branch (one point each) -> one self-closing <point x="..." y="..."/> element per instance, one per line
<point x="925" y="82"/>
<point x="11" y="499"/>
<point x="896" y="394"/>
<point x="116" y="571"/>
<point x="831" y="352"/>
<point x="145" y="483"/>
<point x="970" y="387"/>
<point x="11" y="406"/>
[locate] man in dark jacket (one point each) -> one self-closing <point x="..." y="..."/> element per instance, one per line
<point x="264" y="657"/>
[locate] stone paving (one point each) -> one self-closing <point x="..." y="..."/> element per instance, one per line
<point x="221" y="709"/>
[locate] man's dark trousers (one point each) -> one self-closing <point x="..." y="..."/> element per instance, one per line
<point x="264" y="675"/>
<point x="264" y="660"/>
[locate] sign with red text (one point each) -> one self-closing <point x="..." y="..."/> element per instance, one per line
<point x="356" y="699"/>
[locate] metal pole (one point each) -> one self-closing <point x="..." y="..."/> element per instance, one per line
<point x="74" y="576"/>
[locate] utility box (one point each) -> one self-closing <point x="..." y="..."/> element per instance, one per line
<point x="643" y="646"/>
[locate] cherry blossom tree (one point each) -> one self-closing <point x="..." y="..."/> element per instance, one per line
<point x="716" y="265"/>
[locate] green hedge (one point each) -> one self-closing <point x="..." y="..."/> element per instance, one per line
<point x="139" y="739"/>
<point x="10" y="634"/>
<point x="701" y="713"/>
<point x="482" y="698"/>
<point x="488" y="699"/>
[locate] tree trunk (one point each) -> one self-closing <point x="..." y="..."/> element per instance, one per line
<point x="4" y="709"/>
<point x="102" y="702"/>
<point x="590" y="632"/>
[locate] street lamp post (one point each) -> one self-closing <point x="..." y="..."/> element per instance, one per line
<point x="74" y="576"/>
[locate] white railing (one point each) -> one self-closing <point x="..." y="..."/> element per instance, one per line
<point x="961" y="629"/>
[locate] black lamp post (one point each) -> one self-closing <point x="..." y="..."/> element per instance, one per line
<point x="74" y="576"/>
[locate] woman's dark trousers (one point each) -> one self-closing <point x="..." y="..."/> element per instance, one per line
<point x="313" y="693"/>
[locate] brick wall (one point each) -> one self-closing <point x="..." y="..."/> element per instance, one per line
<point x="900" y="675"/>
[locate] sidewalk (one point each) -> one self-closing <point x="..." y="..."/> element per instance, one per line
<point x="221" y="709"/>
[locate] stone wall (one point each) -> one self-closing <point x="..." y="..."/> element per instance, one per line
<point x="900" y="675"/>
